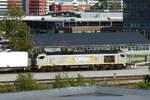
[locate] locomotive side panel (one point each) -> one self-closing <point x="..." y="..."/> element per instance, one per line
<point x="91" y="61"/>
<point x="74" y="59"/>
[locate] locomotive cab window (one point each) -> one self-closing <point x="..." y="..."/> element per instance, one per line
<point x="109" y="59"/>
<point x="41" y="57"/>
<point x="122" y="55"/>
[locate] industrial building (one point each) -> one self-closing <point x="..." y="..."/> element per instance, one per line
<point x="128" y="42"/>
<point x="136" y="16"/>
<point x="75" y="22"/>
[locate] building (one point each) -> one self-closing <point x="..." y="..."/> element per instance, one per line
<point x="70" y="5"/>
<point x="30" y="7"/>
<point x="137" y="16"/>
<point x="19" y="3"/>
<point x="49" y="3"/>
<point x="109" y="3"/>
<point x="106" y="41"/>
<point x="3" y="5"/>
<point x="92" y="2"/>
<point x="42" y="7"/>
<point x="37" y="7"/>
<point x="76" y="22"/>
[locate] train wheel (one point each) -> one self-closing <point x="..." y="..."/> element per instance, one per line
<point x="90" y="67"/>
<point x="65" y="68"/>
<point x="100" y="67"/>
<point x="119" y="67"/>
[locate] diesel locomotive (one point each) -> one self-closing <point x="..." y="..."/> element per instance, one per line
<point x="65" y="61"/>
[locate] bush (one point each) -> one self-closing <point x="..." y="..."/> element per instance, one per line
<point x="59" y="82"/>
<point x="65" y="81"/>
<point x="62" y="82"/>
<point x="81" y="80"/>
<point x="72" y="82"/>
<point x="7" y="88"/>
<point x="92" y="82"/>
<point x="68" y="81"/>
<point x="25" y="82"/>
<point x="143" y="85"/>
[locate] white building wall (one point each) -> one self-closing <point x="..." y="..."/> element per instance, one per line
<point x="109" y="2"/>
<point x="70" y="2"/>
<point x="90" y="2"/>
<point x="3" y="5"/>
<point x="50" y="2"/>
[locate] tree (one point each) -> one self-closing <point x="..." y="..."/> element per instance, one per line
<point x="16" y="30"/>
<point x="104" y="5"/>
<point x="99" y="7"/>
<point x="115" y="6"/>
<point x="95" y="7"/>
<point x="26" y="82"/>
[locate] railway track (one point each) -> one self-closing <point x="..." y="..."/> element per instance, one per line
<point x="53" y="71"/>
<point x="120" y="80"/>
<point x="61" y="71"/>
<point x="76" y="70"/>
<point x="119" y="76"/>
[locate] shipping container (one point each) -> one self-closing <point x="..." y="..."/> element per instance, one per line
<point x="13" y="60"/>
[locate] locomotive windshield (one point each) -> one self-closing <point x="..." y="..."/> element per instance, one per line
<point x="41" y="57"/>
<point x="122" y="55"/>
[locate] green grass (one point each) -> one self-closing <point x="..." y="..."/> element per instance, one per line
<point x="7" y="88"/>
<point x="138" y="55"/>
<point x="142" y="85"/>
<point x="110" y="84"/>
<point x="137" y="61"/>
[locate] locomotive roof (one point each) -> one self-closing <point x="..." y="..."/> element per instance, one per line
<point x="104" y="38"/>
<point x="85" y="52"/>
